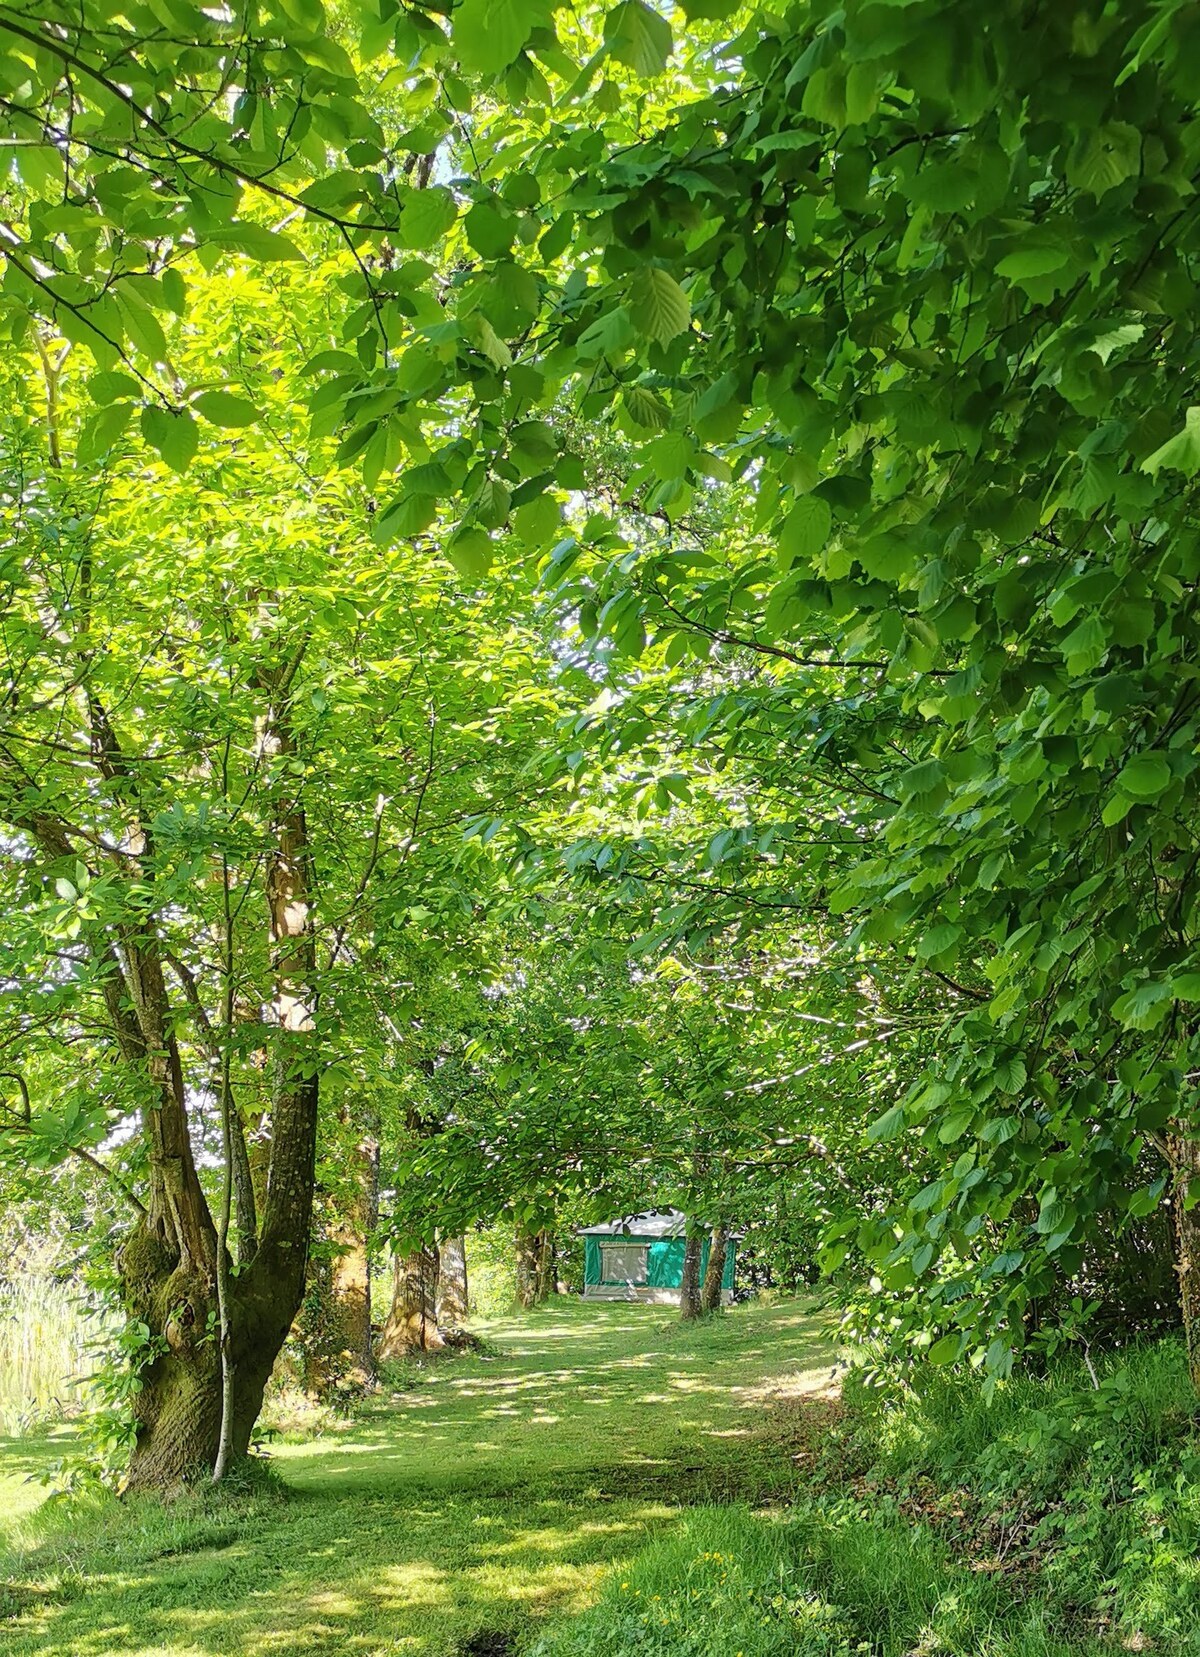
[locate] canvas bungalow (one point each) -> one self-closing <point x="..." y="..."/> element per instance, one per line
<point x="641" y="1258"/>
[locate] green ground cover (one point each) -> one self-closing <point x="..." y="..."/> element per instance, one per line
<point x="606" y="1482"/>
<point x="489" y="1495"/>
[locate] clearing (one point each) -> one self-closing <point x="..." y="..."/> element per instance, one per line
<point x="459" y="1515"/>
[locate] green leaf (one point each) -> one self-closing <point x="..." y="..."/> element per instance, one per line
<point x="671" y="454"/>
<point x="887" y="1126"/>
<point x="938" y="940"/>
<point x="471" y="552"/>
<point x="426" y="216"/>
<point x="490" y="34"/>
<point x="645" y="408"/>
<point x="1105" y="157"/>
<point x="1180" y="453"/>
<point x="1145" y="776"/>
<point x="805" y="529"/>
<point x="490" y="232"/>
<point x="636" y="35"/>
<point x="1145" y="1006"/>
<point x="1053" y="1214"/>
<point x="174" y="435"/>
<point x="947" y="1350"/>
<point x="1031" y="262"/>
<point x="612" y="332"/>
<point x="658" y="306"/>
<point x="255" y="241"/>
<point x="538" y="522"/>
<point x="1085" y="646"/>
<point x="223" y="409"/>
<point x="100" y="432"/>
<point x="1010" y="1074"/>
<point x="108" y="385"/>
<point x="955" y="1125"/>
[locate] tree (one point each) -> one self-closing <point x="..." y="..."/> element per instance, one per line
<point x="188" y="951"/>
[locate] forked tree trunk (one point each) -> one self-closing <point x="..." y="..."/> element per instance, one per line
<point x="527" y="1268"/>
<point x="452" y="1298"/>
<point x="168" y="1267"/>
<point x="689" y="1288"/>
<point x="710" y="1291"/>
<point x="412" y="1324"/>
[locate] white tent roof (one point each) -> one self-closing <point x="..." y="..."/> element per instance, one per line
<point x="671" y="1223"/>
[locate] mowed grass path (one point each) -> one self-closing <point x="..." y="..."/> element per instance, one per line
<point x="491" y="1496"/>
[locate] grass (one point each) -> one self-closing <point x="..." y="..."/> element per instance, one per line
<point x="605" y="1482"/>
<point x="492" y="1496"/>
<point x="1062" y="1520"/>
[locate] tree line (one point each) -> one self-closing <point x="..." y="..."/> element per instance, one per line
<point x="603" y="599"/>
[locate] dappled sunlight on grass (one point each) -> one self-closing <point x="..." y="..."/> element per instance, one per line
<point x="491" y="1493"/>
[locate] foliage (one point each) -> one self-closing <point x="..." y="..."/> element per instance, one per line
<point x="721" y="466"/>
<point x="1089" y="1482"/>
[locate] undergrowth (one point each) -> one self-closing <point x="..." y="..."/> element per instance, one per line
<point x="1060" y="1519"/>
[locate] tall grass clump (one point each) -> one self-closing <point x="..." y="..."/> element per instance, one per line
<point x="827" y="1580"/>
<point x="46" y="1352"/>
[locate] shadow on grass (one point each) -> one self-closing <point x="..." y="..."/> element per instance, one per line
<point x="488" y="1497"/>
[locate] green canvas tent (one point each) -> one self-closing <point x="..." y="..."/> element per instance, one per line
<point x="641" y="1258"/>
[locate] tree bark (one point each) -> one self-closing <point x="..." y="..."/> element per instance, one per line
<point x="452" y="1298"/>
<point x="689" y="1288"/>
<point x="1185" y="1160"/>
<point x="527" y="1268"/>
<point x="710" y="1292"/>
<point x="335" y="1323"/>
<point x="350" y="1274"/>
<point x="547" y="1277"/>
<point x="168" y="1268"/>
<point x="412" y="1324"/>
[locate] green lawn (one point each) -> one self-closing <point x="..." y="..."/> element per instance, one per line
<point x="490" y="1497"/>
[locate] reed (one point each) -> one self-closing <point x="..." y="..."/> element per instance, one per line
<point x="47" y="1339"/>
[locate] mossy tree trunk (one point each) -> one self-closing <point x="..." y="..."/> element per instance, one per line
<point x="1185" y="1160"/>
<point x="335" y="1322"/>
<point x="168" y="1267"/>
<point x="547" y="1274"/>
<point x="527" y="1267"/>
<point x="710" y="1290"/>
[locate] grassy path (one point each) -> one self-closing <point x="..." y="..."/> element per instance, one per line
<point x="492" y="1496"/>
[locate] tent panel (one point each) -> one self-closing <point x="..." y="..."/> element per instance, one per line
<point x="666" y="1263"/>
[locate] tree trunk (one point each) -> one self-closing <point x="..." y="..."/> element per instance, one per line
<point x="177" y="1412"/>
<point x="452" y="1299"/>
<point x="710" y="1292"/>
<point x="336" y="1321"/>
<point x="527" y="1268"/>
<point x="1185" y="1158"/>
<point x="689" y="1289"/>
<point x="547" y="1278"/>
<point x="350" y="1272"/>
<point x="168" y="1267"/>
<point x="412" y="1324"/>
